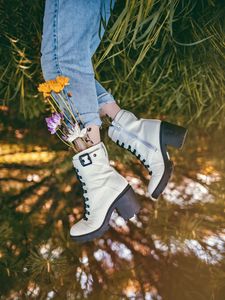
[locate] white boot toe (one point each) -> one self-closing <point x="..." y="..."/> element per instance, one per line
<point x="104" y="191"/>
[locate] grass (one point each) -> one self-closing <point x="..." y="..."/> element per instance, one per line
<point x="157" y="57"/>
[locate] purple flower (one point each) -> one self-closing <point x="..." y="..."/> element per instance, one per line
<point x="53" y="122"/>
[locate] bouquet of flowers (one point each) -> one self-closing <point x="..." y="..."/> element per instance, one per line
<point x="64" y="122"/>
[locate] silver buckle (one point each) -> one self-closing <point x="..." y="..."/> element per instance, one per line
<point x="85" y="159"/>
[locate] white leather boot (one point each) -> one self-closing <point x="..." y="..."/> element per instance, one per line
<point x="147" y="139"/>
<point x="104" y="190"/>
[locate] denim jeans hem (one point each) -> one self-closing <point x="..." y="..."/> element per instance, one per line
<point x="90" y="119"/>
<point x="105" y="99"/>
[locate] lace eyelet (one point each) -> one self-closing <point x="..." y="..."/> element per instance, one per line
<point x="85" y="199"/>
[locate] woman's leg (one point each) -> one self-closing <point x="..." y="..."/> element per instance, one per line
<point x="68" y="30"/>
<point x="69" y="27"/>
<point x="107" y="104"/>
<point x="146" y="138"/>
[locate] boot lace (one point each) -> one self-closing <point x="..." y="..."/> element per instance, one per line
<point x="85" y="199"/>
<point x="138" y="155"/>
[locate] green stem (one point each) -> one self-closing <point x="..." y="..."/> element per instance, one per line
<point x="52" y="105"/>
<point x="59" y="108"/>
<point x="64" y="93"/>
<point x="62" y="139"/>
<point x="60" y="96"/>
<point x="79" y="116"/>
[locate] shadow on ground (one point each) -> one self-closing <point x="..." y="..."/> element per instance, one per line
<point x="173" y="250"/>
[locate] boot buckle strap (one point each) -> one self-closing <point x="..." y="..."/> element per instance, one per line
<point x="85" y="159"/>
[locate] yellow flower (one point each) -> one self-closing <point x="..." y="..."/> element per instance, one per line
<point x="55" y="85"/>
<point x="63" y="80"/>
<point x="50" y="84"/>
<point x="44" y="88"/>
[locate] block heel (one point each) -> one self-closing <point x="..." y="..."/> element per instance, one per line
<point x="172" y="135"/>
<point x="127" y="206"/>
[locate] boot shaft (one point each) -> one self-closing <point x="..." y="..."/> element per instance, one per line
<point x="142" y="132"/>
<point x="98" y="178"/>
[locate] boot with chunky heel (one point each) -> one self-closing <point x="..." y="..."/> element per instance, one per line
<point x="148" y="139"/>
<point x="104" y="190"/>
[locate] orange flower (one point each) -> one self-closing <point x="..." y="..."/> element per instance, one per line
<point x="62" y="80"/>
<point x="55" y="85"/>
<point x="44" y="88"/>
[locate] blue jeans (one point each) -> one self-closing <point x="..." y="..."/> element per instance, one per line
<point x="71" y="35"/>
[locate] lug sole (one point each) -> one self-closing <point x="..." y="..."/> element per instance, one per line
<point x="126" y="205"/>
<point x="170" y="135"/>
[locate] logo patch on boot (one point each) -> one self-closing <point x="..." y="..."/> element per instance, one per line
<point x="85" y="159"/>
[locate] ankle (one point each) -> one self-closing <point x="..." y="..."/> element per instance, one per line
<point x="110" y="110"/>
<point x="93" y="134"/>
